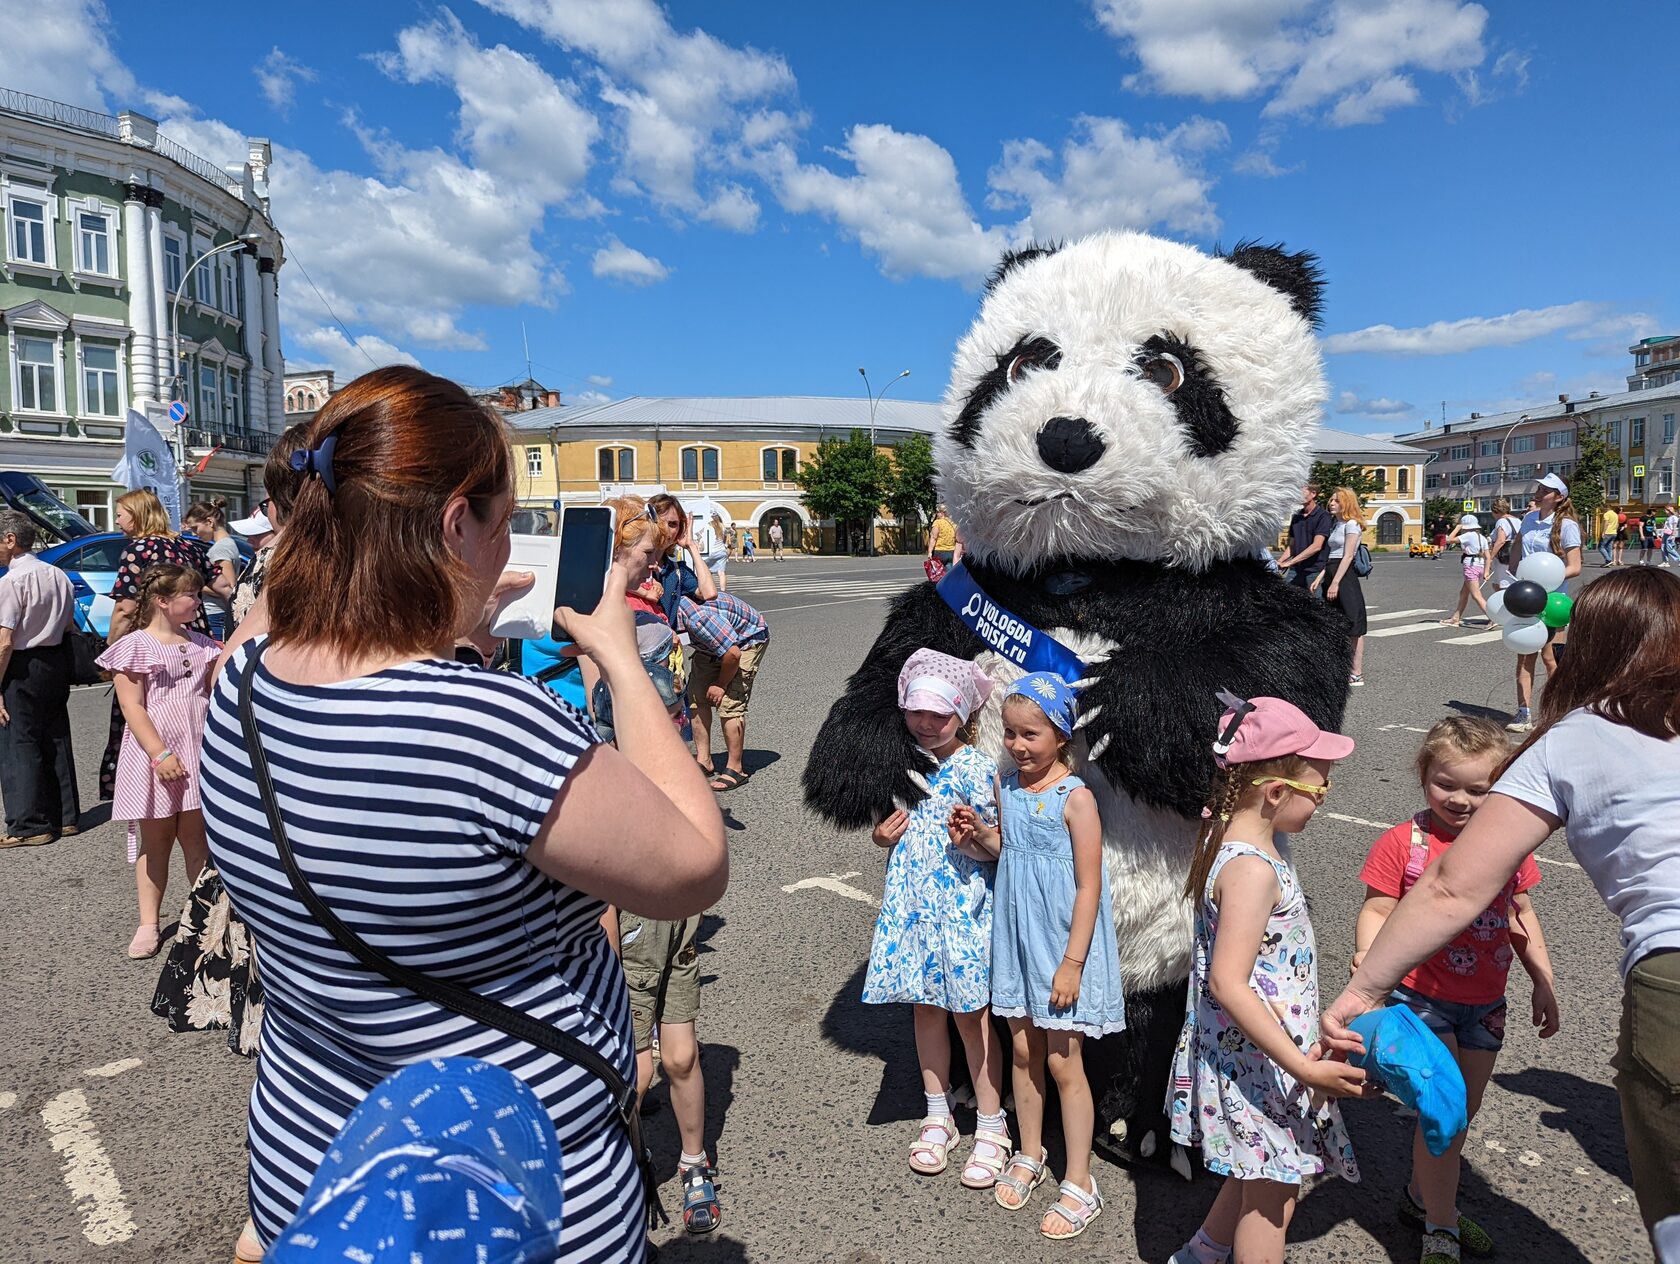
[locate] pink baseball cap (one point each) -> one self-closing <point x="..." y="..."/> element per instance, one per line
<point x="1270" y="728"/>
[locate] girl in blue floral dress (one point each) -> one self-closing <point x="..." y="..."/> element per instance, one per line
<point x="1247" y="1085"/>
<point x="933" y="939"/>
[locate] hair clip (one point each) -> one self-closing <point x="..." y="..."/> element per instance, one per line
<point x="319" y="462"/>
<point x="1222" y="746"/>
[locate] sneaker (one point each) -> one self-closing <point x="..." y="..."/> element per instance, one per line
<point x="1439" y="1247"/>
<point x="1522" y="724"/>
<point x="1355" y="680"/>
<point x="1472" y="1238"/>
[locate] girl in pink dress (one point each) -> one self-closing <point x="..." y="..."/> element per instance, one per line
<point x="162" y="674"/>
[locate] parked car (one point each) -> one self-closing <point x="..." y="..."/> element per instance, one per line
<point x="91" y="562"/>
<point x="52" y="517"/>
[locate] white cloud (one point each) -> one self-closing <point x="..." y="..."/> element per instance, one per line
<point x="1111" y="178"/>
<point x="1450" y="337"/>
<point x="1346" y="57"/>
<point x="904" y="205"/>
<point x="278" y="75"/>
<point x="585" y="398"/>
<point x="1349" y="403"/>
<point x="599" y="379"/>
<point x="326" y="347"/>
<point x="683" y="103"/>
<point x="617" y="262"/>
<point x="63" y="51"/>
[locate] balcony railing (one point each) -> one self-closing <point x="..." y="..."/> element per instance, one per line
<point x="15" y="102"/>
<point x="250" y="442"/>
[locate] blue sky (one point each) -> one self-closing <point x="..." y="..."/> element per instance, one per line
<point x="757" y="198"/>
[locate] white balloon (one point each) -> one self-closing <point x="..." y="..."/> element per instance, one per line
<point x="1527" y="636"/>
<point x="1497" y="611"/>
<point x="1545" y="569"/>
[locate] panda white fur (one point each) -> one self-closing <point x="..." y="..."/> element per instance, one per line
<point x="1129" y="421"/>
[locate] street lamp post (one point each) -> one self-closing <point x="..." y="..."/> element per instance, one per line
<point x="874" y="402"/>
<point x="1505" y="465"/>
<point x="177" y="388"/>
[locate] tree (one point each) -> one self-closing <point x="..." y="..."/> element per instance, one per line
<point x="1596" y="459"/>
<point x="1440" y="512"/>
<point x="846" y="481"/>
<point x="912" y="496"/>
<point x="1329" y="475"/>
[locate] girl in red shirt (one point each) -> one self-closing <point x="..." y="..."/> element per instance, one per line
<point x="1459" y="992"/>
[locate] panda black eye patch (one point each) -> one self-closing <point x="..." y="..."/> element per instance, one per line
<point x="1031" y="352"/>
<point x="1208" y="422"/>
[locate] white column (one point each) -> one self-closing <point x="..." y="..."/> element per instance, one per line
<point x="162" y="352"/>
<point x="272" y="360"/>
<point x="142" y="310"/>
<point x="255" y="389"/>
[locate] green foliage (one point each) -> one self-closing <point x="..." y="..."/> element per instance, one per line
<point x="1596" y="459"/>
<point x="1442" y="510"/>
<point x="1329" y="475"/>
<point x="911" y="494"/>
<point x="847" y="480"/>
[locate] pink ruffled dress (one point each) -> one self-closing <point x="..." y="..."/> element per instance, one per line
<point x="174" y="682"/>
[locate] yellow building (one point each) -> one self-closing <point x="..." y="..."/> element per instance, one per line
<point x="742" y="453"/>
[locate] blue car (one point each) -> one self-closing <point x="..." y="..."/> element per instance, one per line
<point x="91" y="562"/>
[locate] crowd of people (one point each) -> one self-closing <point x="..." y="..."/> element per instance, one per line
<point x="328" y="756"/>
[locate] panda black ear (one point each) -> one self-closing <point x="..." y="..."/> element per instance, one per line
<point x="1015" y="258"/>
<point x="1296" y="276"/>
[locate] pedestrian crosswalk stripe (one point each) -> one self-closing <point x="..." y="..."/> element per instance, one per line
<point x="1480" y="638"/>
<point x="1400" y="614"/>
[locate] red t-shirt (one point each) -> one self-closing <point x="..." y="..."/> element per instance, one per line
<point x="1471" y="970"/>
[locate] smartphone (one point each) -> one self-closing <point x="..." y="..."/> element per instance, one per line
<point x="587" y="536"/>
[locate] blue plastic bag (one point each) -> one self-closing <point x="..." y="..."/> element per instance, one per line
<point x="1411" y="1062"/>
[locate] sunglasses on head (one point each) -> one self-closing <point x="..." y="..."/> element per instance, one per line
<point x="1316" y="793"/>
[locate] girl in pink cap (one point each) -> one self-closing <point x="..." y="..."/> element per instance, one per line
<point x="933" y="939"/>
<point x="1246" y="1086"/>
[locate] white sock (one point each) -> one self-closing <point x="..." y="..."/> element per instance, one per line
<point x="993" y="1123"/>
<point x="938" y="1104"/>
<point x="692" y="1160"/>
<point x="1429" y="1226"/>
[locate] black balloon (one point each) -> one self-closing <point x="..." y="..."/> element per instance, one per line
<point x="1525" y="598"/>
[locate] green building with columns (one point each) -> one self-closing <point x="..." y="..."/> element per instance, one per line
<point x="106" y="221"/>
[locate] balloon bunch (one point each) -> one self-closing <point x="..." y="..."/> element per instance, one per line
<point x="1532" y="610"/>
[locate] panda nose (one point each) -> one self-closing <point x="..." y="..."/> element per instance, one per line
<point x="1069" y="444"/>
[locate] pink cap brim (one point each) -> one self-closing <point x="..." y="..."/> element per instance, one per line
<point x="1329" y="746"/>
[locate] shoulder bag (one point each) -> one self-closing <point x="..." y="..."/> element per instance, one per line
<point x="441" y="992"/>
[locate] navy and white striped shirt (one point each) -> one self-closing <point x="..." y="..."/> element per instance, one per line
<point x="409" y="797"/>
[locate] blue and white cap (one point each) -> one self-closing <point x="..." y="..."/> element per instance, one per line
<point x="447" y="1161"/>
<point x="1053" y="695"/>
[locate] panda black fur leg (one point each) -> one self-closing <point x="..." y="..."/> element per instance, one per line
<point x="1130" y="1074"/>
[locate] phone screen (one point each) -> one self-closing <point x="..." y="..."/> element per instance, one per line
<point x="586" y="549"/>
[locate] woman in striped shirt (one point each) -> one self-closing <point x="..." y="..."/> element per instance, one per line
<point x="465" y="823"/>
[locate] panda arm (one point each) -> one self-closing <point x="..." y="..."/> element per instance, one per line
<point x="862" y="759"/>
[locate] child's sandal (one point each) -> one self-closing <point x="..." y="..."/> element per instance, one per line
<point x="1090" y="1207"/>
<point x="1006" y="1180"/>
<point x="929" y="1154"/>
<point x="987" y="1160"/>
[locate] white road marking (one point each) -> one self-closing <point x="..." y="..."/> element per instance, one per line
<point x="113" y="1068"/>
<point x="7" y="1100"/>
<point x="1567" y="864"/>
<point x="1479" y="638"/>
<point x="1407" y="629"/>
<point x="88" y="1173"/>
<point x="836" y="883"/>
<point x="1358" y="820"/>
<point x="1410" y="728"/>
<point x="844" y="601"/>
<point x="1399" y="614"/>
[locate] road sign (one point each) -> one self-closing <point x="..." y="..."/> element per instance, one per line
<point x="1469" y="505"/>
<point x="1639" y="471"/>
<point x="178" y="412"/>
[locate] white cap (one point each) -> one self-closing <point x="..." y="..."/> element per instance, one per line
<point x="256" y="524"/>
<point x="1556" y="484"/>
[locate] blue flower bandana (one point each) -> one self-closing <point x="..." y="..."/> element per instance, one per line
<point x="1053" y="696"/>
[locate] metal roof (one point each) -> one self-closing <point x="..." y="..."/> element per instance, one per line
<point x="1552" y="411"/>
<point x="702" y="412"/>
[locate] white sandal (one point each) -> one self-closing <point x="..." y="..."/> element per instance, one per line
<point x="933" y="1151"/>
<point x="1090" y="1207"/>
<point x="987" y="1160"/>
<point x="1021" y="1189"/>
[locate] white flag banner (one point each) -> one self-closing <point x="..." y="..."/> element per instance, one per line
<point x="149" y="462"/>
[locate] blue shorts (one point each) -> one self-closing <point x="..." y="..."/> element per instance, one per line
<point x="1472" y="1026"/>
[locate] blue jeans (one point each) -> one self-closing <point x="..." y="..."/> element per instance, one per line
<point x="1604" y="546"/>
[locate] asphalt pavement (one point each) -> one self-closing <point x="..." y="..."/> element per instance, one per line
<point x="125" y="1142"/>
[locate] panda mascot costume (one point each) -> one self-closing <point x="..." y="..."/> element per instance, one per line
<point x="1128" y="424"/>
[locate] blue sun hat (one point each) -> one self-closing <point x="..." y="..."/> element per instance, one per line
<point x="446" y="1161"/>
<point x="1053" y="695"/>
<point x="1413" y="1064"/>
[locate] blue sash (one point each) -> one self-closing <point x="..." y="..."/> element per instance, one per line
<point x="1015" y="640"/>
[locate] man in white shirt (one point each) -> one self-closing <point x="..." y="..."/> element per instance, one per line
<point x="37" y="764"/>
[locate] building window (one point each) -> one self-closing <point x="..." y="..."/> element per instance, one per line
<point x="1403" y="480"/>
<point x="233" y="400"/>
<point x="1668" y="429"/>
<point x="1460" y="479"/>
<point x="205" y="278"/>
<point x="173" y="250"/>
<point x="781" y="465"/>
<point x="1560" y="468"/>
<point x="1379" y="479"/>
<point x="1488" y="477"/>
<point x="36" y="374"/>
<point x="30" y="239"/>
<point x="1459" y="452"/>
<point x="533" y="462"/>
<point x="1431" y="482"/>
<point x="699" y="465"/>
<point x="616" y="465"/>
<point x="1390" y="527"/>
<point x="100" y="381"/>
<point x="209" y="402"/>
<point x="93" y="243"/>
<point x="1613" y="433"/>
<point x="1523" y="443"/>
<point x="1489" y="447"/>
<point x="229" y="265"/>
<point x="1636" y="431"/>
<point x="1637" y="490"/>
<point x="1665" y="480"/>
<point x="1560" y="438"/>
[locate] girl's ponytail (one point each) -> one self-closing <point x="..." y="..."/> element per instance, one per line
<point x="1565" y="511"/>
<point x="1231" y="785"/>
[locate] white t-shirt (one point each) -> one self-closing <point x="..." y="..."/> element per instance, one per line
<point x="1536" y="533"/>
<point x="1472" y="544"/>
<point x="1342" y="536"/>
<point x="1502" y="574"/>
<point x="1614" y="789"/>
<point x="223" y="550"/>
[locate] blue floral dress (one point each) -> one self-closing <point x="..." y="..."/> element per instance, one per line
<point x="933" y="939"/>
<point x="1253" y="1121"/>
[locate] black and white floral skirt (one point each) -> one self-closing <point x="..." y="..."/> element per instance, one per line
<point x="209" y="980"/>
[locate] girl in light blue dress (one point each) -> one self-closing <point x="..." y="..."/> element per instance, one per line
<point x="933" y="939"/>
<point x="1055" y="964"/>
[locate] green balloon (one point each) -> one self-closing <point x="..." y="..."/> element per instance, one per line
<point x="1558" y="607"/>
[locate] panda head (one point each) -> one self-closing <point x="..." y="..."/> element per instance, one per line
<point x="1128" y="397"/>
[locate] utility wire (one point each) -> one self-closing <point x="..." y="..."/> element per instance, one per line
<point x="293" y="256"/>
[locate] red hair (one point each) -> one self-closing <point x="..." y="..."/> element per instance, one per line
<point x="365" y="570"/>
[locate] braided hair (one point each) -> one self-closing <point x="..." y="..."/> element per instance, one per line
<point x="161" y="582"/>
<point x="1231" y="786"/>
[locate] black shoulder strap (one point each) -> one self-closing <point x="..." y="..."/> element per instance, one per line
<point x="440" y="992"/>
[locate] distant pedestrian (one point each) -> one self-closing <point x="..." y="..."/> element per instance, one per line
<point x="1648" y="534"/>
<point x="728" y="638"/>
<point x="1671" y="537"/>
<point x="207" y="521"/>
<point x="1607" y="524"/>
<point x="942" y="538"/>
<point x="714" y="550"/>
<point x="1473" y="545"/>
<point x="1618" y="556"/>
<point x="1309" y="529"/>
<point x="747" y="547"/>
<point x="776" y="540"/>
<point x="1342" y="587"/>
<point x="1502" y="545"/>
<point x="1550" y="527"/>
<point x="37" y="760"/>
<point x="162" y="673"/>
